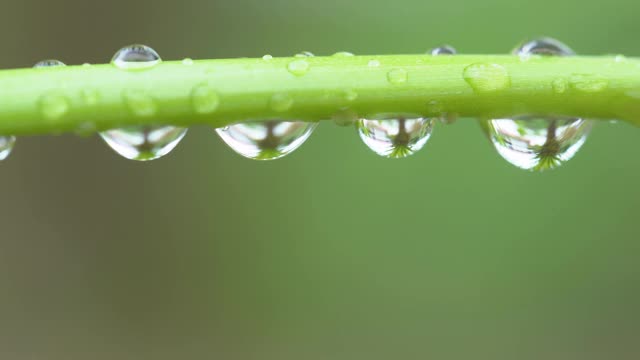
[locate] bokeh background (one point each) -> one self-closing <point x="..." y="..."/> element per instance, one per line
<point x="332" y="252"/>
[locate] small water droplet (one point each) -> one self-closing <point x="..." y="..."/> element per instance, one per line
<point x="374" y="63"/>
<point x="350" y="95"/>
<point x="560" y="85"/>
<point x="345" y="117"/>
<point x="281" y="102"/>
<point x="136" y="57"/>
<point x="343" y="54"/>
<point x="49" y="63"/>
<point x="187" y="61"/>
<point x="397" y="76"/>
<point x="6" y="146"/>
<point x="443" y="50"/>
<point x="266" y="140"/>
<point x="537" y="144"/>
<point x="298" y="67"/>
<point x="53" y="105"/>
<point x="304" y="54"/>
<point x="620" y="58"/>
<point x="487" y="78"/>
<point x="143" y="143"/>
<point x="267" y="57"/>
<point x="90" y="96"/>
<point x="397" y="136"/>
<point x="544" y="46"/>
<point x="139" y="103"/>
<point x="86" y="65"/>
<point x="86" y="128"/>
<point x="588" y="83"/>
<point x="205" y="100"/>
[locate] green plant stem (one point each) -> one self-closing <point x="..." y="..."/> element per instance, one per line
<point x="98" y="97"/>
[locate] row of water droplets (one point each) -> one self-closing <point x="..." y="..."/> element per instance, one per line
<point x="526" y="141"/>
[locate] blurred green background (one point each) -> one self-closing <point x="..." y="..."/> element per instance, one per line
<point x="332" y="252"/>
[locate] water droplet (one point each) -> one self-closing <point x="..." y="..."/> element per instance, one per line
<point x="374" y="63"/>
<point x="53" y="106"/>
<point x="538" y="143"/>
<point x="139" y="103"/>
<point x="86" y="128"/>
<point x="143" y="143"/>
<point x="49" y="63"/>
<point x="6" y="146"/>
<point x="559" y="85"/>
<point x="395" y="137"/>
<point x="443" y="50"/>
<point x="281" y="102"/>
<point x="487" y="78"/>
<point x="544" y="46"/>
<point x="86" y="65"/>
<point x="345" y="117"/>
<point x="397" y="76"/>
<point x="204" y="99"/>
<point x="304" y="54"/>
<point x="343" y="54"/>
<point x="187" y="61"/>
<point x="266" y="140"/>
<point x="350" y="95"/>
<point x="267" y="57"/>
<point x="136" y="57"/>
<point x="620" y="58"/>
<point x="298" y="67"/>
<point x="90" y="96"/>
<point x="588" y="83"/>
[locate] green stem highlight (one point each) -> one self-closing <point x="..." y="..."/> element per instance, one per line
<point x="220" y="92"/>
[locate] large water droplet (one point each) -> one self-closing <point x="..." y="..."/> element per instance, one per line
<point x="397" y="76"/>
<point x="48" y="63"/>
<point x="6" y="145"/>
<point x="537" y="143"/>
<point x="443" y="50"/>
<point x="487" y="78"/>
<point x="143" y="143"/>
<point x="298" y="67"/>
<point x="396" y="137"/>
<point x="266" y="140"/>
<point x="136" y="57"/>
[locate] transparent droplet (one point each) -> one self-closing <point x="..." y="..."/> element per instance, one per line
<point x="397" y="76"/>
<point x="281" y="102"/>
<point x="6" y="146"/>
<point x="267" y="57"/>
<point x="395" y="137"/>
<point x="187" y="61"/>
<point x="588" y="83"/>
<point x="53" y="105"/>
<point x="373" y="63"/>
<point x="48" y="63"/>
<point x="298" y="67"/>
<point x="538" y="143"/>
<point x="343" y="54"/>
<point x="544" y="46"/>
<point x="443" y="50"/>
<point x="136" y="57"/>
<point x="143" y="143"/>
<point x="266" y="140"/>
<point x="487" y="78"/>
<point x="139" y="103"/>
<point x="304" y="54"/>
<point x="205" y="99"/>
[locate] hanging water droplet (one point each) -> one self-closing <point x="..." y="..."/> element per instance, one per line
<point x="304" y="54"/>
<point x="544" y="46"/>
<point x="443" y="50"/>
<point x="6" y="146"/>
<point x="343" y="54"/>
<point x="48" y="63"/>
<point x="298" y="67"/>
<point x="281" y="102"/>
<point x="396" y="137"/>
<point x="266" y="140"/>
<point x="538" y="143"/>
<point x="397" y="76"/>
<point x="204" y="99"/>
<point x="143" y="143"/>
<point x="487" y="78"/>
<point x="136" y="57"/>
